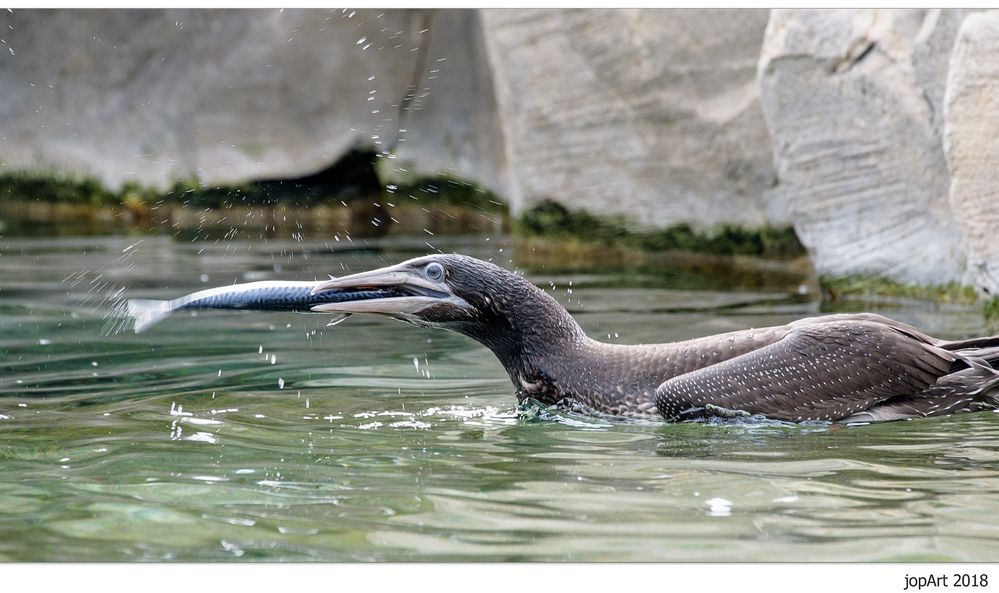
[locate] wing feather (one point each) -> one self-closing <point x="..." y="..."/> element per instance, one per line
<point x="822" y="369"/>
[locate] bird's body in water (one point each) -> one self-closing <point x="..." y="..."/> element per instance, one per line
<point x="852" y="368"/>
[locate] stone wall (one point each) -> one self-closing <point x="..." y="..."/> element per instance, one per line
<point x="884" y="127"/>
<point x="232" y="95"/>
<point x="653" y="114"/>
<point x="852" y="100"/>
<point x="972" y="144"/>
<point x="871" y="131"/>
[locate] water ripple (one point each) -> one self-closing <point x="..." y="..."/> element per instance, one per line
<point x="225" y="437"/>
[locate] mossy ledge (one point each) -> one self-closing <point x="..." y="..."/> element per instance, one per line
<point x="347" y="195"/>
<point x="991" y="308"/>
<point x="872" y="288"/>
<point x="550" y="219"/>
<point x="685" y="270"/>
<point x="865" y="287"/>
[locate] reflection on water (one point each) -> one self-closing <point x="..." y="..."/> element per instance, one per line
<point x="271" y="436"/>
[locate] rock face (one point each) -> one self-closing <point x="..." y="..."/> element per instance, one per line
<point x="972" y="130"/>
<point x="653" y="114"/>
<point x="852" y="100"/>
<point x="861" y="127"/>
<point x="154" y="95"/>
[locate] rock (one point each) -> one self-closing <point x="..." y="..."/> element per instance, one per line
<point x="235" y="95"/>
<point x="453" y="125"/>
<point x="859" y="126"/>
<point x="851" y="99"/>
<point x="971" y="130"/>
<point x="652" y="114"/>
<point x="931" y="57"/>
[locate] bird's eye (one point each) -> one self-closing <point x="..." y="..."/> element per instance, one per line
<point x="434" y="271"/>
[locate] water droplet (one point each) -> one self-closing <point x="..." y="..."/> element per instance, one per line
<point x="719" y="507"/>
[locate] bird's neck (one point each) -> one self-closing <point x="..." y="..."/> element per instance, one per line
<point x="524" y="326"/>
<point x="550" y="358"/>
<point x="594" y="376"/>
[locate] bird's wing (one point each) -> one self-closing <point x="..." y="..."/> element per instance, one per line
<point x="820" y="370"/>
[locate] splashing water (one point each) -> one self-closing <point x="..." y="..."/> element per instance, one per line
<point x="186" y="445"/>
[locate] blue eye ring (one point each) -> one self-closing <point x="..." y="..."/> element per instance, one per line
<point x="434" y="271"/>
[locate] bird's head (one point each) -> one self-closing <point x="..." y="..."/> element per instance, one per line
<point x="459" y="293"/>
<point x="429" y="290"/>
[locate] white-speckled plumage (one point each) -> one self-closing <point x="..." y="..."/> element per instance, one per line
<point x="860" y="367"/>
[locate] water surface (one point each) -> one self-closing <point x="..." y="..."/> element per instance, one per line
<point x="232" y="436"/>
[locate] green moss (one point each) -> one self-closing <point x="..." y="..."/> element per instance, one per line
<point x="870" y="286"/>
<point x="622" y="266"/>
<point x="445" y="189"/>
<point x="191" y="193"/>
<point x="55" y="188"/>
<point x="991" y="308"/>
<point x="353" y="178"/>
<point x="550" y="219"/>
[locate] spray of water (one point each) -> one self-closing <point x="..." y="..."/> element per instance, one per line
<point x="100" y="298"/>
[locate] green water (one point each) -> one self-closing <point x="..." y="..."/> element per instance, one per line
<point x="232" y="436"/>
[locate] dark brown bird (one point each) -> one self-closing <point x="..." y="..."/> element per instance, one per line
<point x="849" y="368"/>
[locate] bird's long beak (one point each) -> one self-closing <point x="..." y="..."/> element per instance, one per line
<point x="417" y="292"/>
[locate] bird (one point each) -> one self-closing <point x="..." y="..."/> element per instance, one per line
<point x="844" y="368"/>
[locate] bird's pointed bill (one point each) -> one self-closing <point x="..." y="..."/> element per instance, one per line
<point x="419" y="292"/>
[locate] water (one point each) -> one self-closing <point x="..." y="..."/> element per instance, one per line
<point x="230" y="436"/>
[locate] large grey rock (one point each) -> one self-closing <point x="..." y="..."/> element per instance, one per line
<point x="972" y="143"/>
<point x="852" y="101"/>
<point x="157" y="95"/>
<point x="653" y="114"/>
